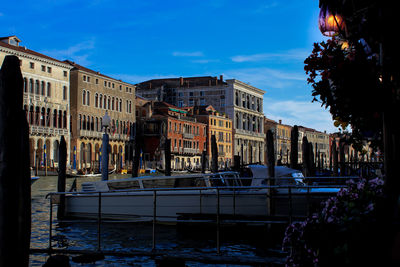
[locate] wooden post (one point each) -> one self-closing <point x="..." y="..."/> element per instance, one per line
<point x="214" y="155"/>
<point x="167" y="151"/>
<point x="62" y="168"/>
<point x="136" y="158"/>
<point x="236" y="162"/>
<point x="203" y="161"/>
<point x="271" y="170"/>
<point x="104" y="159"/>
<point x="306" y="157"/>
<point x="342" y="158"/>
<point x="15" y="184"/>
<point x="311" y="164"/>
<point x="334" y="159"/>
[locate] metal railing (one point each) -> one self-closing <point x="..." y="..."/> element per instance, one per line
<point x="210" y="190"/>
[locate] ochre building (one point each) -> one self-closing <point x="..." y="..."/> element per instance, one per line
<point x="92" y="94"/>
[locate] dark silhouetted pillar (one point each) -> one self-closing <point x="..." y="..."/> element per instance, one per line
<point x="15" y="184"/>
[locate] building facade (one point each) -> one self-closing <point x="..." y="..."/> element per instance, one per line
<point x="242" y="103"/>
<point x="270" y="125"/>
<point x="283" y="133"/>
<point x="320" y="142"/>
<point x="92" y="95"/>
<point x="46" y="101"/>
<point x="187" y="135"/>
<point x="220" y="126"/>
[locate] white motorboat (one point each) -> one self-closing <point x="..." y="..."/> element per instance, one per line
<point x="170" y="197"/>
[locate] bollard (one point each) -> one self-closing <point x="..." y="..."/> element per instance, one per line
<point x="99" y="223"/>
<point x="214" y="155"/>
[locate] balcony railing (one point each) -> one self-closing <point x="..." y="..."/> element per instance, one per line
<point x="188" y="135"/>
<point x="47" y="130"/>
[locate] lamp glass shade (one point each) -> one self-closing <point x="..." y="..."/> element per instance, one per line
<point x="106" y="120"/>
<point x="330" y="23"/>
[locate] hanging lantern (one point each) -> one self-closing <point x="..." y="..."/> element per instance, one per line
<point x="330" y="23"/>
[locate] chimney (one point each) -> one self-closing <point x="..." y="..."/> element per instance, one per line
<point x="280" y="121"/>
<point x="216" y="80"/>
<point x="221" y="78"/>
<point x="181" y="81"/>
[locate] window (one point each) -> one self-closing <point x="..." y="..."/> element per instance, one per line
<point x="101" y="101"/>
<point x="88" y="79"/>
<point x="97" y="81"/>
<point x="37" y="90"/>
<point x="88" y="98"/>
<point x="43" y="88"/>
<point x="120" y="105"/>
<point x="120" y="87"/>
<point x="64" y="93"/>
<point x="105" y="83"/>
<point x="180" y="103"/>
<point x="202" y="102"/>
<point x="191" y="102"/>
<point x="65" y="73"/>
<point x="83" y="97"/>
<point x="49" y="69"/>
<point x="190" y="93"/>
<point x="96" y="100"/>
<point x="201" y="93"/>
<point x="31" y="65"/>
<point x="113" y="85"/>
<point x="84" y="78"/>
<point x="43" y="68"/>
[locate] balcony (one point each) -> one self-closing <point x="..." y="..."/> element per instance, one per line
<point x="188" y="135"/>
<point x="250" y="133"/>
<point x="47" y="130"/>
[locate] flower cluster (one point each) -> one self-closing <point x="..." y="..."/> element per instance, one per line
<point x="325" y="235"/>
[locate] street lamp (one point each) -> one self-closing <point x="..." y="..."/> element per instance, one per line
<point x="104" y="151"/>
<point x="330" y="22"/>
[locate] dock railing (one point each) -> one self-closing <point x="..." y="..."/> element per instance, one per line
<point x="270" y="192"/>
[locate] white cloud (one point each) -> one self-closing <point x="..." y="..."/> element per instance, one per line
<point x="266" y="78"/>
<point x="290" y="55"/>
<point x="303" y="113"/>
<point x="78" y="53"/>
<point x="1" y="14"/>
<point x="132" y="78"/>
<point x="205" y="61"/>
<point x="188" y="54"/>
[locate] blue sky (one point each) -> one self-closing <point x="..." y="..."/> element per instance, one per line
<point x="261" y="42"/>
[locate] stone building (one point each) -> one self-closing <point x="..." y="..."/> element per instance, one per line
<point x="320" y="141"/>
<point x="220" y="126"/>
<point x="92" y="94"/>
<point x="242" y="103"/>
<point x="46" y="101"/>
<point x="187" y="135"/>
<point x="283" y="133"/>
<point x="270" y="125"/>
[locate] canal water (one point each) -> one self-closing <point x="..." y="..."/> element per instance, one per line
<point x="129" y="237"/>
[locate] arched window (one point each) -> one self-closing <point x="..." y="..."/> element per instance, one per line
<point x="84" y="123"/>
<point x="37" y="89"/>
<point x="43" y="88"/>
<point x="97" y="124"/>
<point x="105" y="102"/>
<point x="116" y="103"/>
<point x="237" y="121"/>
<point x="109" y="103"/>
<point x="83" y="97"/>
<point x="31" y="86"/>
<point x="112" y="103"/>
<point x="92" y="124"/>
<point x="37" y="116"/>
<point x="60" y="119"/>
<point x="80" y="122"/>
<point x="65" y="120"/>
<point x="120" y="105"/>
<point x="55" y="118"/>
<point x="88" y="98"/>
<point x="42" y="117"/>
<point x="31" y="115"/>
<point x="48" y="118"/>
<point x="88" y="123"/>
<point x="248" y="102"/>
<point x="49" y="89"/>
<point x="96" y="100"/>
<point x="25" y="85"/>
<point x="101" y="101"/>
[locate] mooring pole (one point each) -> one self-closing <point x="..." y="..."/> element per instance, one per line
<point x="99" y="223"/>
<point x="154" y="218"/>
<point x="218" y="223"/>
<point x="62" y="168"/>
<point x="15" y="184"/>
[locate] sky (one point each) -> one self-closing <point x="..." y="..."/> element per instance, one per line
<point x="260" y="42"/>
